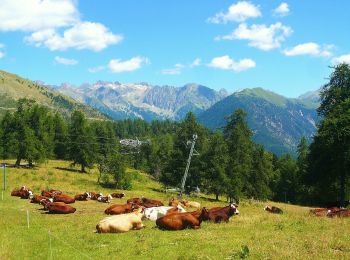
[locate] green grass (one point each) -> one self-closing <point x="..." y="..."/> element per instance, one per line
<point x="255" y="233"/>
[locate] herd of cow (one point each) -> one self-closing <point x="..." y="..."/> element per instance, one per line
<point x="129" y="216"/>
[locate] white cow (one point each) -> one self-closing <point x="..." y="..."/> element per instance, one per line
<point x="121" y="223"/>
<point x="155" y="213"/>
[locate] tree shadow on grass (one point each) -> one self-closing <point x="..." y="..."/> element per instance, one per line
<point x="68" y="169"/>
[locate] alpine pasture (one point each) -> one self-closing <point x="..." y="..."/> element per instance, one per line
<point x="254" y="234"/>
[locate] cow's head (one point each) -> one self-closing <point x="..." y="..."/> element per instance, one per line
<point x="233" y="208"/>
<point x="88" y="195"/>
<point x="30" y="194"/>
<point x="109" y="196"/>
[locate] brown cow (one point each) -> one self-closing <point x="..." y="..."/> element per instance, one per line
<point x="58" y="192"/>
<point x="118" y="195"/>
<point x="82" y="197"/>
<point x="63" y="198"/>
<point x="137" y="201"/>
<point x="117" y="209"/>
<point x="23" y="192"/>
<point x="39" y="198"/>
<point x="219" y="214"/>
<point x="149" y="203"/>
<point x="339" y="213"/>
<point x="179" y="221"/>
<point x="59" y="208"/>
<point x="274" y="210"/>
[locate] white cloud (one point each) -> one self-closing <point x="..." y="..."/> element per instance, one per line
<point x="281" y="10"/>
<point x="309" y="48"/>
<point x="96" y="69"/>
<point x="226" y="63"/>
<point x="238" y="12"/>
<point x="65" y="61"/>
<point x="259" y="35"/>
<point x="173" y="71"/>
<point x="2" y="54"/>
<point x="84" y="35"/>
<point x="195" y="63"/>
<point x="118" y="66"/>
<point x="54" y="24"/>
<point x="341" y="59"/>
<point x="34" y="15"/>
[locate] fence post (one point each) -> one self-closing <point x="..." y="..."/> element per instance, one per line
<point x="4" y="176"/>
<point x="28" y="218"/>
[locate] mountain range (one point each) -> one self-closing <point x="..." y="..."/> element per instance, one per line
<point x="142" y="100"/>
<point x="277" y="122"/>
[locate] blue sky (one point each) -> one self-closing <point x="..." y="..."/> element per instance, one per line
<point x="283" y="46"/>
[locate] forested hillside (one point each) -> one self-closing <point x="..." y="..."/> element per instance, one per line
<point x="277" y="122"/>
<point x="13" y="88"/>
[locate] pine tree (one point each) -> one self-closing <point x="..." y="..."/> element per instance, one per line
<point x="238" y="137"/>
<point x="82" y="143"/>
<point x="215" y="159"/>
<point x="60" y="137"/>
<point x="329" y="159"/>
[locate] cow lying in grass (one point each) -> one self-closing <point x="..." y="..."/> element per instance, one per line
<point x="83" y="196"/>
<point x="118" y="195"/>
<point x="158" y="212"/>
<point x="274" y="210"/>
<point x="39" y="198"/>
<point x="180" y="221"/>
<point x="58" y="207"/>
<point x="121" y="223"/>
<point x="191" y="204"/>
<point x="63" y="198"/>
<point x="23" y="192"/>
<point x="117" y="209"/>
<point x="219" y="214"/>
<point x="105" y="199"/>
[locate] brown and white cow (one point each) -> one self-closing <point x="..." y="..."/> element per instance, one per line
<point x="39" y="198"/>
<point x="105" y="199"/>
<point x="58" y="208"/>
<point x="219" y="214"/>
<point x="82" y="197"/>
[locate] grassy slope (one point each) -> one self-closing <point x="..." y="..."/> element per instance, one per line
<point x="13" y="87"/>
<point x="294" y="235"/>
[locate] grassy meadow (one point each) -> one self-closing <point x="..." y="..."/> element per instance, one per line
<point x="293" y="235"/>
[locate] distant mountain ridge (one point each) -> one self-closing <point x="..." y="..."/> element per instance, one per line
<point x="277" y="122"/>
<point x="142" y="100"/>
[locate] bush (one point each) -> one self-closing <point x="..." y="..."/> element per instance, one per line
<point x="113" y="173"/>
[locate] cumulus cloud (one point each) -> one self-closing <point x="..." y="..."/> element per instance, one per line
<point x="281" y="10"/>
<point x="238" y="12"/>
<point x="85" y="35"/>
<point x="226" y="63"/>
<point x="54" y="24"/>
<point x="309" y="48"/>
<point x="341" y="59"/>
<point x="97" y="69"/>
<point x="173" y="71"/>
<point x="34" y="15"/>
<point x="119" y="66"/>
<point x="259" y="35"/>
<point x="65" y="61"/>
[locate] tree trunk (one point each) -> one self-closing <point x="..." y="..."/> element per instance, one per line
<point x="30" y="163"/>
<point x="342" y="189"/>
<point x="216" y="197"/>
<point x="83" y="168"/>
<point x="18" y="161"/>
